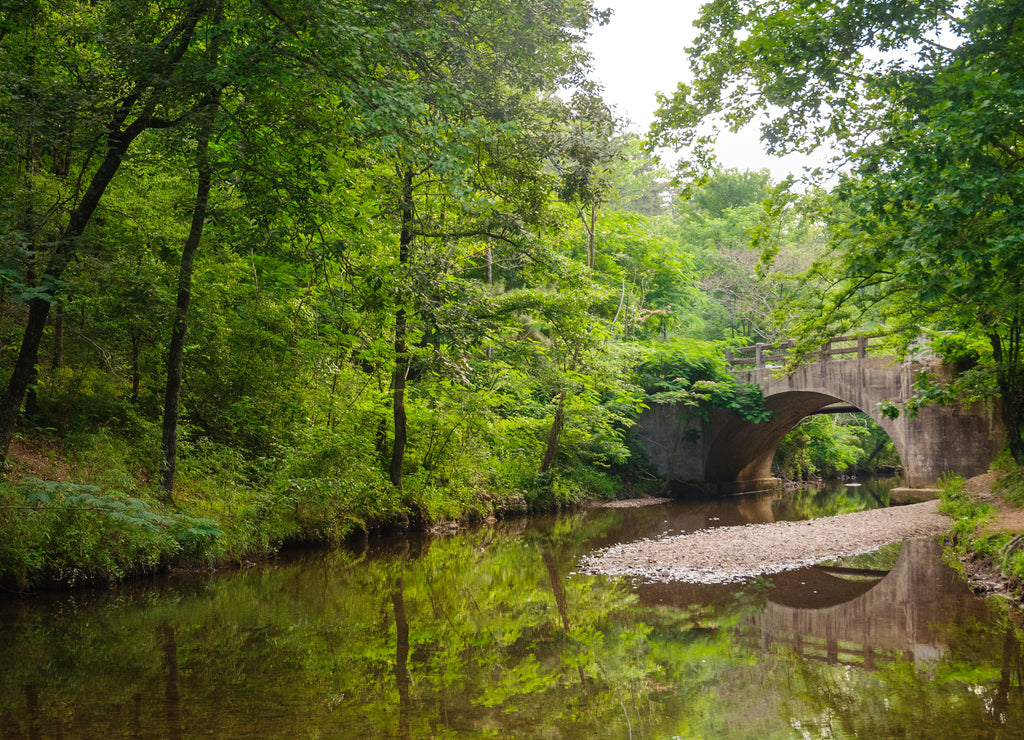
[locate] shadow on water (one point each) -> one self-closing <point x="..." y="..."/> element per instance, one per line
<point x="489" y="632"/>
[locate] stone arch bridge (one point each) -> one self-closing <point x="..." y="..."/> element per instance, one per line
<point x="724" y="453"/>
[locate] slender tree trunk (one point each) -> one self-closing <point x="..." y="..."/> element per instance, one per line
<point x="179" y="331"/>
<point x="401" y="372"/>
<point x="34" y="157"/>
<point x="176" y="348"/>
<point x="489" y="256"/>
<point x="591" y="226"/>
<point x="551" y="451"/>
<point x="136" y="366"/>
<point x="57" y="361"/>
<point x="1011" y="394"/>
<point x="399" y="417"/>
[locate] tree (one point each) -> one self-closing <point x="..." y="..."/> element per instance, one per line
<point x="460" y="146"/>
<point x="725" y="224"/>
<point x="808" y="73"/>
<point x="207" y="119"/>
<point x="927" y="225"/>
<point x="585" y="165"/>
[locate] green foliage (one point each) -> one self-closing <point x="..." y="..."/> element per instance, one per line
<point x="747" y="239"/>
<point x="569" y="486"/>
<point x="730" y="189"/>
<point x="829" y="55"/>
<point x="694" y="374"/>
<point x="974" y="377"/>
<point x="822" y="446"/>
<point x="882" y="559"/>
<point x="974" y="533"/>
<point x="393" y="267"/>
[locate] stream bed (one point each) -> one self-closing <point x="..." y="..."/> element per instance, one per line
<point x="493" y="632"/>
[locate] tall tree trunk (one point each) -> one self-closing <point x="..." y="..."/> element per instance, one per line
<point x="176" y="348"/>
<point x="179" y="331"/>
<point x="32" y="394"/>
<point x="551" y="450"/>
<point x="401" y="373"/>
<point x="57" y="361"/>
<point x="136" y="366"/>
<point x="21" y="375"/>
<point x="489" y="256"/>
<point x="591" y="226"/>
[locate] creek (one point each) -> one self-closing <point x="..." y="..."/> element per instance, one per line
<point x="490" y="632"/>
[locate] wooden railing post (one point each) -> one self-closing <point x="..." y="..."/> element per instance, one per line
<point x="759" y="354"/>
<point x="862" y="347"/>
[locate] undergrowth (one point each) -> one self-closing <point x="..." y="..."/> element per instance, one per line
<point x="108" y="521"/>
<point x="971" y="536"/>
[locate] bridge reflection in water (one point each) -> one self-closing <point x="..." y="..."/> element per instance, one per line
<point x="912" y="612"/>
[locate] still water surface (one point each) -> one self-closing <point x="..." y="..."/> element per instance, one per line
<point x="491" y="633"/>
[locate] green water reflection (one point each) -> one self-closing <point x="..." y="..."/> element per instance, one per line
<point x="491" y="634"/>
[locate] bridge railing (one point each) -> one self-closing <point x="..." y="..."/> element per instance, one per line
<point x="774" y="355"/>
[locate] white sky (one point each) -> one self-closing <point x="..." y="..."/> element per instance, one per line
<point x="641" y="52"/>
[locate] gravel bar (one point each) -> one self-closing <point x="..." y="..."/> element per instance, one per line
<point x="727" y="554"/>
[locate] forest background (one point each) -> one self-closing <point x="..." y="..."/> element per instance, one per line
<point x="280" y="272"/>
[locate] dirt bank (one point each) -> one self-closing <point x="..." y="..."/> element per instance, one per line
<point x="725" y="554"/>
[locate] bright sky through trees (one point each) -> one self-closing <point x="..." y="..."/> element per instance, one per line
<point x="641" y="52"/>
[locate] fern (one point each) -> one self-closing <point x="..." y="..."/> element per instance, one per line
<point x="45" y="495"/>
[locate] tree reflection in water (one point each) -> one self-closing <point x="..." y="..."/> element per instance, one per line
<point x="491" y="633"/>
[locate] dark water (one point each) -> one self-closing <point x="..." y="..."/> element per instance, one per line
<point x="490" y="633"/>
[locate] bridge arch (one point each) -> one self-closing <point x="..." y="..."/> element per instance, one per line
<point x="741" y="452"/>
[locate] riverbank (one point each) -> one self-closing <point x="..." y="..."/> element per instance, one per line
<point x="988" y="531"/>
<point x="85" y="510"/>
<point x="69" y="534"/>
